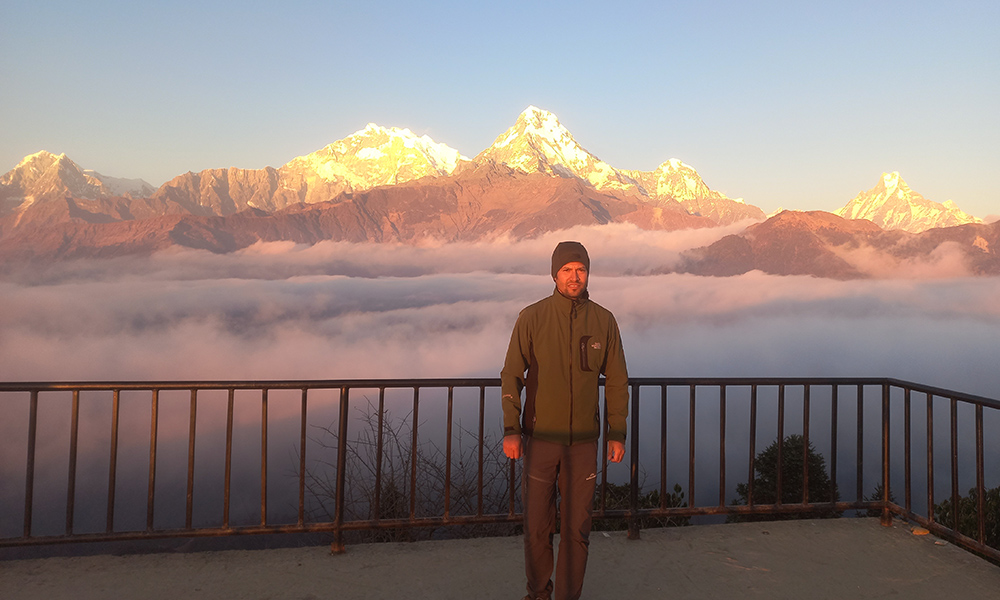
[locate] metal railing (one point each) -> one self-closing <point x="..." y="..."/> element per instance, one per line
<point x="371" y="470"/>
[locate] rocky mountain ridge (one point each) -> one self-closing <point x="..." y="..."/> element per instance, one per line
<point x="827" y="245"/>
<point x="480" y="203"/>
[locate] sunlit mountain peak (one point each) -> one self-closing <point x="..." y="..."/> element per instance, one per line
<point x="891" y="204"/>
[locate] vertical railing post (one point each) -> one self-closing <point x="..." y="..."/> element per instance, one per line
<point x="722" y="445"/>
<point x="228" y="472"/>
<point x="886" y="519"/>
<point x="379" y="443"/>
<point x="303" y="419"/>
<point x="74" y="439"/>
<point x="907" y="450"/>
<point x="192" y="429"/>
<point x="153" y="429"/>
<point x="834" y="417"/>
<point x="263" y="457"/>
<point x="482" y="441"/>
<point x="447" y="453"/>
<point x="663" y="446"/>
<point x="980" y="477"/>
<point x="337" y="547"/>
<point x="752" y="467"/>
<point x="807" y="390"/>
<point x="955" y="497"/>
<point x="860" y="457"/>
<point x="930" y="457"/>
<point x="633" y="519"/>
<point x="779" y="494"/>
<point x="113" y="461"/>
<point x="414" y="451"/>
<point x="691" y="444"/>
<point x="29" y="470"/>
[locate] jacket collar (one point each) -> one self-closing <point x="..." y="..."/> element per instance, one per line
<point x="567" y="303"/>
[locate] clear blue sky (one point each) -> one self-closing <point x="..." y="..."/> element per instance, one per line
<point x="794" y="104"/>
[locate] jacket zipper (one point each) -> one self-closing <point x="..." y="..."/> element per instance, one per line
<point x="572" y="317"/>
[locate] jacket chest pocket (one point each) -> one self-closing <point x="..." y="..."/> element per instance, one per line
<point x="591" y="352"/>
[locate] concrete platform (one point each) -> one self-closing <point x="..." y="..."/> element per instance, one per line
<point x="843" y="558"/>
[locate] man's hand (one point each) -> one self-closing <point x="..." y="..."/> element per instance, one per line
<point x="616" y="451"/>
<point x="512" y="446"/>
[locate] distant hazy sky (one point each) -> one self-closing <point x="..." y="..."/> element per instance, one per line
<point x="795" y="104"/>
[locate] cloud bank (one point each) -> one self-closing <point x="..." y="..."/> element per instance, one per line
<point x="340" y="310"/>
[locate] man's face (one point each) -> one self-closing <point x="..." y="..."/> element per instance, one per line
<point x="571" y="279"/>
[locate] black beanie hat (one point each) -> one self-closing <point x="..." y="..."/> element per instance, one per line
<point x="567" y="252"/>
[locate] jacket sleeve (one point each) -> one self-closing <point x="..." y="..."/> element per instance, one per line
<point x="616" y="385"/>
<point x="512" y="376"/>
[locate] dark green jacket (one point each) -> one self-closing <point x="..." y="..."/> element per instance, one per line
<point x="557" y="352"/>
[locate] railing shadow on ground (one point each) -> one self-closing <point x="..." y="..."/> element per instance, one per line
<point x="371" y="460"/>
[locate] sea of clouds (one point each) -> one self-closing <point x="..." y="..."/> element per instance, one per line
<point x="342" y="310"/>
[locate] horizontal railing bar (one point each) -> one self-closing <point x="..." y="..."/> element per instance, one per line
<point x="756" y="509"/>
<point x="480" y="381"/>
<point x="324" y="527"/>
<point x="948" y="534"/>
<point x="246" y="385"/>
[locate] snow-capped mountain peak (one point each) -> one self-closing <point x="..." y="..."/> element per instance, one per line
<point x="538" y="142"/>
<point x="891" y="204"/>
<point x="443" y="157"/>
<point x="680" y="181"/>
<point x="375" y="156"/>
<point x="46" y="175"/>
<point x="675" y="180"/>
<point x="545" y="126"/>
<point x="33" y="165"/>
<point x="538" y="134"/>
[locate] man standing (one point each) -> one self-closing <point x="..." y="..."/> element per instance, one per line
<point x="560" y="347"/>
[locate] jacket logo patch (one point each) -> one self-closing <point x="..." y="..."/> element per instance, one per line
<point x="596" y="345"/>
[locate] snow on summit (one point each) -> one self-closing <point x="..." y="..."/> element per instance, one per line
<point x="891" y="204"/>
<point x="375" y="140"/>
<point x="538" y="142"/>
<point x="375" y="156"/>
<point x="545" y="125"/>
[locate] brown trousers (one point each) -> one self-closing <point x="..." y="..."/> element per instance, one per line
<point x="574" y="470"/>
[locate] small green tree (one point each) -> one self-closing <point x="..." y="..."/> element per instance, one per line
<point x="968" y="520"/>
<point x="765" y="482"/>
<point x="876" y="496"/>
